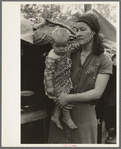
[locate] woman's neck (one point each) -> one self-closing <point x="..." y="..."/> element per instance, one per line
<point x="87" y="48"/>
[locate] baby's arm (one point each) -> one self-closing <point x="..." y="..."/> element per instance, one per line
<point x="49" y="71"/>
<point x="50" y="89"/>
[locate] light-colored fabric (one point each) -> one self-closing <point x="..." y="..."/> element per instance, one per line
<point x="26" y="30"/>
<point x="53" y="55"/>
<point x="43" y="33"/>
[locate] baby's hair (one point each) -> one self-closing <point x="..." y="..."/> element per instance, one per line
<point x="60" y="34"/>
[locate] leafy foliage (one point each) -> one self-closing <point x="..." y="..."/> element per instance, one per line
<point x="63" y="11"/>
<point x="49" y="11"/>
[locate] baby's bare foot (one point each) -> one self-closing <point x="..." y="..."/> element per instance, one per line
<point x="70" y="123"/>
<point x="57" y="122"/>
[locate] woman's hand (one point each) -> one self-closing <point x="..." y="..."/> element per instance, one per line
<point x="62" y="100"/>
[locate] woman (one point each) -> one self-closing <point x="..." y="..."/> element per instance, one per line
<point x="91" y="69"/>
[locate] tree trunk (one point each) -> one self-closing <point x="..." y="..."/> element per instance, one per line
<point x="87" y="7"/>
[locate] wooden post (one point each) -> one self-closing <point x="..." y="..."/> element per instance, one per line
<point x="87" y="7"/>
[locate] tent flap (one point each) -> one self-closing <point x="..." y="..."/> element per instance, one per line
<point x="26" y="30"/>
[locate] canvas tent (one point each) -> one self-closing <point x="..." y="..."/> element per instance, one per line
<point x="26" y="30"/>
<point x="106" y="27"/>
<point x="39" y="34"/>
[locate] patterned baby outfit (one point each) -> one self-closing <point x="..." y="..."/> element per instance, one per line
<point x="57" y="68"/>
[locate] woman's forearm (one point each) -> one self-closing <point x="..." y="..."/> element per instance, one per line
<point x="93" y="94"/>
<point x="85" y="96"/>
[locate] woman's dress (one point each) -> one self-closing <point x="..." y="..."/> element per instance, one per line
<point x="83" y="114"/>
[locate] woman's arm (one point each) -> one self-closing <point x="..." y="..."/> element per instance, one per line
<point x="96" y="93"/>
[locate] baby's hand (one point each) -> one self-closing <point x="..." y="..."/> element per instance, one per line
<point x="74" y="45"/>
<point x="50" y="91"/>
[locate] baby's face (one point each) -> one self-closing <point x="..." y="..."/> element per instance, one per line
<point x="60" y="48"/>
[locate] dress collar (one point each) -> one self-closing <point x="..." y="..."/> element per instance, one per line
<point x="79" y="60"/>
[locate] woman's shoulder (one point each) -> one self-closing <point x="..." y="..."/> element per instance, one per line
<point x="105" y="57"/>
<point x="105" y="64"/>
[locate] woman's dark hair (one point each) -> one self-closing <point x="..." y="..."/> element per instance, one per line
<point x="98" y="47"/>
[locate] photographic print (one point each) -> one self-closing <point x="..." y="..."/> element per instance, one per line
<point x="67" y="66"/>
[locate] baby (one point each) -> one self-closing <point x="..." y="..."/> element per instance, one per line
<point x="57" y="74"/>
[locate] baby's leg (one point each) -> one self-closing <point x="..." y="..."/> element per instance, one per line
<point x="67" y="119"/>
<point x="56" y="116"/>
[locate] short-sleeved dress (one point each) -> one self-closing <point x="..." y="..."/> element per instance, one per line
<point x="83" y="114"/>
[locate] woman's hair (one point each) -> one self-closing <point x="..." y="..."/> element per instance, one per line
<point x="92" y="21"/>
<point x="98" y="47"/>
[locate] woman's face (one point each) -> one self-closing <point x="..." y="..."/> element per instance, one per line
<point x="84" y="33"/>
